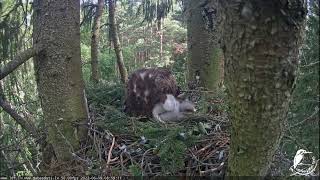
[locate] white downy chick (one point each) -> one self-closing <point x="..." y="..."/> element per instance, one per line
<point x="172" y="109"/>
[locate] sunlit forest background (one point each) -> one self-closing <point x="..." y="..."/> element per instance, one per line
<point x="143" y="45"/>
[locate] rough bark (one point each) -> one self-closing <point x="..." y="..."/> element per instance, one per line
<point x="17" y="61"/>
<point x="204" y="54"/>
<point x="116" y="41"/>
<point x="95" y="42"/>
<point x="261" y="46"/>
<point x="58" y="74"/>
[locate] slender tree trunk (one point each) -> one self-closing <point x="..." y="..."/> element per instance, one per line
<point x="27" y="125"/>
<point x="17" y="61"/>
<point x="204" y="54"/>
<point x="59" y="76"/>
<point x="116" y="42"/>
<point x="1" y="91"/>
<point x="261" y="45"/>
<point x="160" y="33"/>
<point x="95" y="42"/>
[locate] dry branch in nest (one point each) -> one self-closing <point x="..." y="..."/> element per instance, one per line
<point x="144" y="148"/>
<point x="120" y="145"/>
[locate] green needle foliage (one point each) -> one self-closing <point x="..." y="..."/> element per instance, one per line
<point x="169" y="142"/>
<point x="304" y="111"/>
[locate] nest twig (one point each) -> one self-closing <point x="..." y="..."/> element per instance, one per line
<point x="120" y="152"/>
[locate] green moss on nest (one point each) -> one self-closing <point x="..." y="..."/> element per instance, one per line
<point x="169" y="142"/>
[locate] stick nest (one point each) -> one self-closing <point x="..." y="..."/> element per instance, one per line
<point x="131" y="146"/>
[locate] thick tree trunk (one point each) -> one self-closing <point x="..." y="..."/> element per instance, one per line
<point x="261" y="46"/>
<point x="204" y="54"/>
<point x="95" y="42"/>
<point x="59" y="76"/>
<point x="116" y="42"/>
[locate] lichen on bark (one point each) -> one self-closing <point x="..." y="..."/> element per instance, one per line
<point x="59" y="76"/>
<point x="204" y="54"/>
<point x="261" y="42"/>
<point x="95" y="42"/>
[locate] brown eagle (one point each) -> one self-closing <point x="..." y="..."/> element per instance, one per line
<point x="147" y="87"/>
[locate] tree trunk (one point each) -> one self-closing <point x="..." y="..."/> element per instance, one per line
<point x="204" y="54"/>
<point x="116" y="42"/>
<point x="95" y="42"/>
<point x="59" y="76"/>
<point x="261" y="46"/>
<point x="160" y="33"/>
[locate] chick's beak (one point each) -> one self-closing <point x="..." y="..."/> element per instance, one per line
<point x="191" y="110"/>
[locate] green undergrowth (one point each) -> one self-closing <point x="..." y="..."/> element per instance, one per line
<point x="106" y="94"/>
<point x="168" y="141"/>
